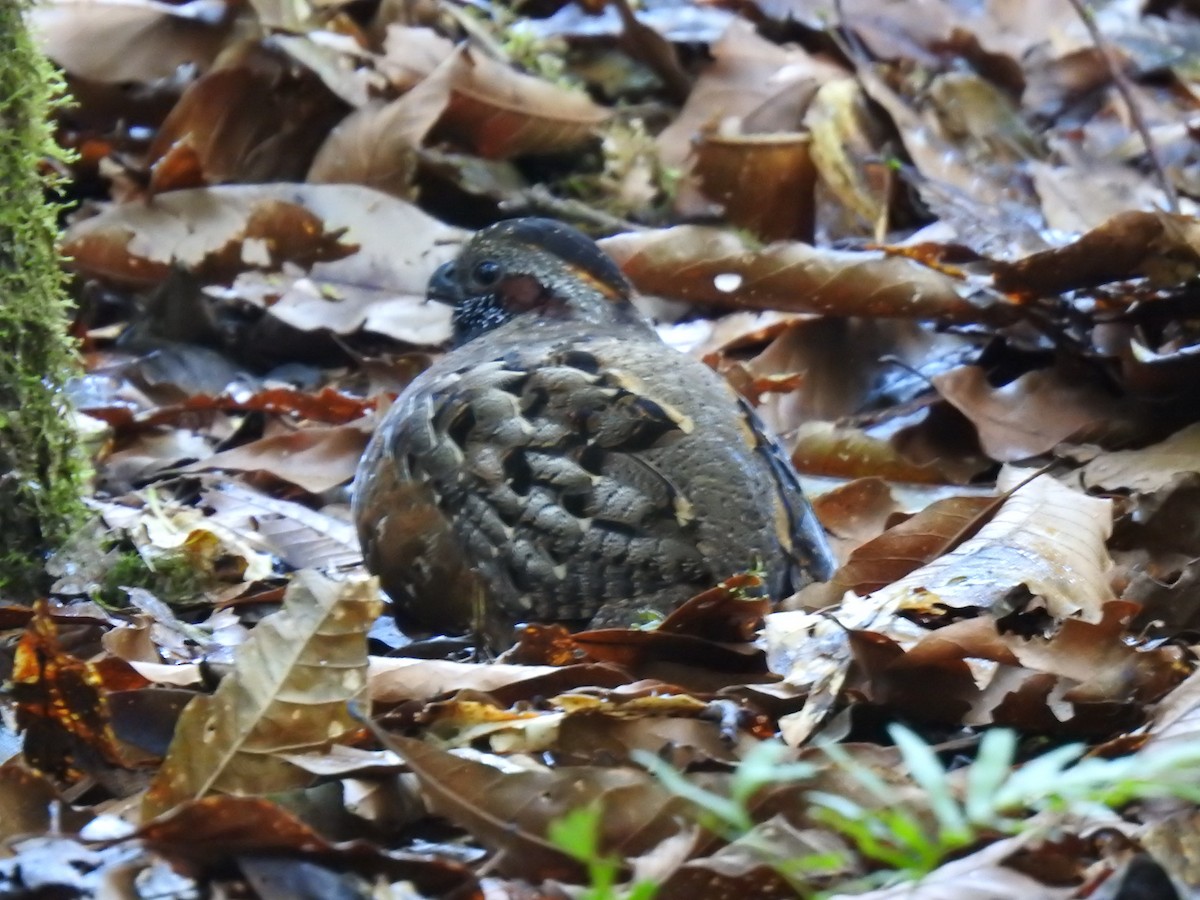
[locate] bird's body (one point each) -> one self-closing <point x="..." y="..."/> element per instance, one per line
<point x="562" y="463"/>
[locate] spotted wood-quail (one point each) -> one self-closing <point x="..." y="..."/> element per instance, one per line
<point x="562" y="463"/>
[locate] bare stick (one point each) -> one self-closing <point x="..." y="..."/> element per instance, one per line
<point x="1123" y="85"/>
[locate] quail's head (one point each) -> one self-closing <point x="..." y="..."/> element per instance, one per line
<point x="530" y="268"/>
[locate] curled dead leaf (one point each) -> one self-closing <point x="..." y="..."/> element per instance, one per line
<point x="716" y="268"/>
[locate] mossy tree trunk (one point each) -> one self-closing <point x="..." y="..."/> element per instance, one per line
<point x="40" y="468"/>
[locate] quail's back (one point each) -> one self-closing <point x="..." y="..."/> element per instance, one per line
<point x="562" y="463"/>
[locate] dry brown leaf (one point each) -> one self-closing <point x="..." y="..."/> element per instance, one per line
<point x="374" y="147"/>
<point x="411" y="54"/>
<point x="1154" y="245"/>
<point x="902" y="548"/>
<point x="846" y="150"/>
<point x="1176" y="720"/>
<point x="1036" y="412"/>
<point x="62" y="703"/>
<point x="251" y="122"/>
<point x="747" y="78"/>
<point x="31" y="802"/>
<point x="1044" y="549"/>
<point x="823" y="448"/>
<point x="510" y="812"/>
<point x="298" y="535"/>
<point x="1078" y="198"/>
<point x="288" y="692"/>
<point x="713" y="267"/>
<point x="857" y="511"/>
<point x="395" y="680"/>
<point x="368" y="256"/>
<point x="207" y="833"/>
<point x="138" y="41"/>
<point x="846" y="365"/>
<point x="500" y="113"/>
<point x="316" y="458"/>
<point x="1046" y="539"/>
<point x="377" y="144"/>
<point x="988" y="205"/>
<point x="763" y="182"/>
<point x="262" y="226"/>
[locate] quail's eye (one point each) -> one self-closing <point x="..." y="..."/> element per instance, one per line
<point x="487" y="273"/>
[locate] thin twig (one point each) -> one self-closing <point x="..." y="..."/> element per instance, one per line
<point x="536" y="198"/>
<point x="1125" y="88"/>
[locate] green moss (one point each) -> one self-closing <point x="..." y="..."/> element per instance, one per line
<point x="41" y="472"/>
<point x="173" y="577"/>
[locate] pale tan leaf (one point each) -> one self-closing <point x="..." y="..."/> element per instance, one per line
<point x="376" y="146"/>
<point x="1044" y="548"/>
<point x="298" y="535"/>
<point x="288" y="693"/>
<point x="1039" y="410"/>
<point x="846" y="142"/>
<point x="1047" y="538"/>
<point x="410" y="54"/>
<point x="316" y="459"/>
<point x="139" y="41"/>
<point x="1148" y="470"/>
<point x="367" y="256"/>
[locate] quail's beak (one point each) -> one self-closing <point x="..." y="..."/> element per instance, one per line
<point x="442" y="285"/>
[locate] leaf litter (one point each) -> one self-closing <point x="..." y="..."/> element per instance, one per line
<point x="967" y="316"/>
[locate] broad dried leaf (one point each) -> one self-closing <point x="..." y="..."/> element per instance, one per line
<point x="749" y="78"/>
<point x="500" y="113"/>
<point x="990" y="207"/>
<point x="1176" y="721"/>
<point x="847" y="365"/>
<point x="62" y="702"/>
<point x="824" y="448"/>
<point x="32" y="805"/>
<point x="903" y="548"/>
<point x="298" y="535"/>
<point x="855" y="512"/>
<point x="1077" y="198"/>
<point x="846" y="145"/>
<point x="764" y="182"/>
<point x="252" y="122"/>
<point x="288" y="691"/>
<point x="377" y="144"/>
<point x="1148" y="470"/>
<point x="138" y="41"/>
<point x="510" y="812"/>
<point x="1046" y="539"/>
<point x="712" y="267"/>
<point x="1036" y="412"/>
<point x="316" y="459"/>
<point x="411" y="54"/>
<point x="368" y="256"/>
<point x="374" y="146"/>
<point x="395" y="680"/>
<point x="242" y="228"/>
<point x="1044" y="550"/>
<point x="210" y="831"/>
<point x="1154" y="245"/>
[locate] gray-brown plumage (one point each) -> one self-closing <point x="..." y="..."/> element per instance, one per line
<point x="562" y="463"/>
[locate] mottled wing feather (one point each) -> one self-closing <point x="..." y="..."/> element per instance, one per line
<point x="802" y="538"/>
<point x="540" y="470"/>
